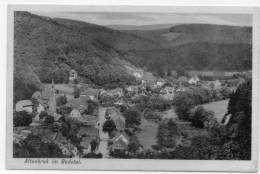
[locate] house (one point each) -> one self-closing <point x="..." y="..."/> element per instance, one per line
<point x="138" y="74"/>
<point x="214" y="84"/>
<point x="120" y="102"/>
<point x="167" y="93"/>
<point x="120" y="141"/>
<point x="117" y="92"/>
<point x="132" y="89"/>
<point x="87" y="135"/>
<point x="37" y="96"/>
<point x="160" y="82"/>
<point x="92" y="93"/>
<point x="117" y="117"/>
<point x="68" y="149"/>
<point x="75" y="113"/>
<point x="81" y="103"/>
<point x="24" y="105"/>
<point x="19" y="137"/>
<point x="148" y="78"/>
<point x="194" y="80"/>
<point x="82" y="119"/>
<point x="72" y="76"/>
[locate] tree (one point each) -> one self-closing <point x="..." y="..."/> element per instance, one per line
<point x="133" y="117"/>
<point x="184" y="101"/>
<point x="109" y="126"/>
<point x="180" y="70"/>
<point x="61" y="100"/>
<point x="64" y="110"/>
<point x="133" y="147"/>
<point x="48" y="120"/>
<point x="199" y="116"/>
<point x="92" y="105"/>
<point x="76" y="92"/>
<point x="93" y="145"/>
<point x="168" y="134"/>
<point x="158" y="103"/>
<point x="239" y="126"/>
<point x="22" y="118"/>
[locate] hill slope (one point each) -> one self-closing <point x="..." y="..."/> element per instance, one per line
<point x="51" y="47"/>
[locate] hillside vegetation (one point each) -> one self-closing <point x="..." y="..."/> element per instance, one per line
<point x="49" y="47"/>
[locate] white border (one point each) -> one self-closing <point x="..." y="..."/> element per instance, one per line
<point x="138" y="164"/>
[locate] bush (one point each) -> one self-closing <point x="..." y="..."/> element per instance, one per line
<point x="199" y="116"/>
<point x="22" y="118"/>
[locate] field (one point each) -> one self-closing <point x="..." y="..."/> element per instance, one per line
<point x="147" y="136"/>
<point x="169" y="114"/>
<point x="219" y="108"/>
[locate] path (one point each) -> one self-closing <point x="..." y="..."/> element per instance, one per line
<point x="102" y="148"/>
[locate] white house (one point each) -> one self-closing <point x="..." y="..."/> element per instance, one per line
<point x="24" y="105"/>
<point x="194" y="80"/>
<point x="72" y="75"/>
<point x="75" y="113"/>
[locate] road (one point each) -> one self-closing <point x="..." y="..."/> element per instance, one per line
<point x="103" y="145"/>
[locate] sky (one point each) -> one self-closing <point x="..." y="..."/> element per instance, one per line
<point x="139" y="18"/>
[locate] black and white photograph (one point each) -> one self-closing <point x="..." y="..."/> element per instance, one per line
<point x="130" y="85"/>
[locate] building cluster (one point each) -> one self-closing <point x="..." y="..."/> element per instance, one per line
<point x="84" y="111"/>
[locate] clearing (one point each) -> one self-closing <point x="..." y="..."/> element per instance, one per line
<point x="219" y="108"/>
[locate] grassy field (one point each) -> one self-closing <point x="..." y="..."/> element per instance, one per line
<point x="169" y="114"/>
<point x="219" y="108"/>
<point x="147" y="136"/>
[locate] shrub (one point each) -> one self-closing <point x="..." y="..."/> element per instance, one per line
<point x="199" y="116"/>
<point x="22" y="118"/>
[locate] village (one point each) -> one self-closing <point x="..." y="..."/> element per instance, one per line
<point x="87" y="122"/>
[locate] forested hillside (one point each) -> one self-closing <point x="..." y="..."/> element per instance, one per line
<point x="197" y="47"/>
<point x="49" y="47"/>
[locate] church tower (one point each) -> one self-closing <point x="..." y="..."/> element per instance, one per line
<point x="52" y="99"/>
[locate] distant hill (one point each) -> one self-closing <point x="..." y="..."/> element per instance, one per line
<point x="140" y="27"/>
<point x="197" y="46"/>
<point x="196" y="56"/>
